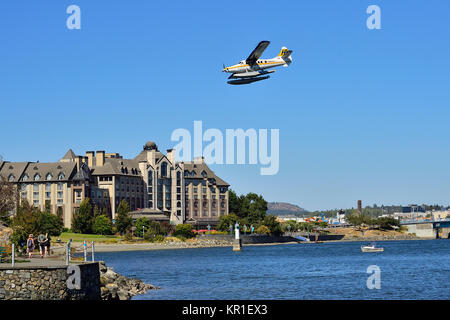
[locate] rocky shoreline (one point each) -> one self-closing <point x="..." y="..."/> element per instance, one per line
<point x="115" y="286"/>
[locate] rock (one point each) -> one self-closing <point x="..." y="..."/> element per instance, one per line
<point x="123" y="295"/>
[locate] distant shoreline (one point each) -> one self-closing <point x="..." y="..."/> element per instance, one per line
<point x="123" y="247"/>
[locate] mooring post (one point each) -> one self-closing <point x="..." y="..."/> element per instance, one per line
<point x="237" y="242"/>
<point x="13" y="254"/>
<point x="93" y="250"/>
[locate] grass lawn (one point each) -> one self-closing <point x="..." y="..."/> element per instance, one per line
<point x="79" y="237"/>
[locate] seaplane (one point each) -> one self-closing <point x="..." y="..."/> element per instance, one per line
<point x="254" y="69"/>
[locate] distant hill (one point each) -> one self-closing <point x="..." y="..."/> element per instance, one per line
<point x="284" y="209"/>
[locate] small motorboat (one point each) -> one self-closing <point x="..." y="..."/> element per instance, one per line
<point x="371" y="248"/>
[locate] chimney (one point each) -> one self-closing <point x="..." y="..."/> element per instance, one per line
<point x="151" y="157"/>
<point x="100" y="158"/>
<point x="79" y="161"/>
<point x="171" y="155"/>
<point x="90" y="157"/>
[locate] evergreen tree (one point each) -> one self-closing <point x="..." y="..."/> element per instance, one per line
<point x="123" y="218"/>
<point x="82" y="218"/>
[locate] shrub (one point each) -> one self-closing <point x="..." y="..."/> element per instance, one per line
<point x="128" y="235"/>
<point x="141" y="223"/>
<point x="262" y="230"/>
<point x="159" y="238"/>
<point x="184" y="230"/>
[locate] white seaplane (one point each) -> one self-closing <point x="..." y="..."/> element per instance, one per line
<point x="255" y="69"/>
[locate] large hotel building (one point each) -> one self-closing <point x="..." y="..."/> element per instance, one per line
<point x="154" y="185"/>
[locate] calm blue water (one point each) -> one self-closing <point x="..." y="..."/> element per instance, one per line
<point x="409" y="270"/>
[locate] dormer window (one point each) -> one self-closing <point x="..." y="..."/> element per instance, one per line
<point x="186" y="173"/>
<point x="204" y="174"/>
<point x="49" y="176"/>
<point x="61" y="176"/>
<point x="25" y="177"/>
<point x="11" y="178"/>
<point x="193" y="173"/>
<point x="37" y="177"/>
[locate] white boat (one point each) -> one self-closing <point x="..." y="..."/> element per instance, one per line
<point x="371" y="248"/>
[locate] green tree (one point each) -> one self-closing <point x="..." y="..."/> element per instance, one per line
<point x="253" y="208"/>
<point x="8" y="198"/>
<point x="59" y="214"/>
<point x="82" y="218"/>
<point x="263" y="230"/>
<point x="225" y="221"/>
<point x="49" y="223"/>
<point x="289" y="226"/>
<point x="234" y="203"/>
<point x="102" y="225"/>
<point x="123" y="217"/>
<point x="155" y="230"/>
<point x="96" y="211"/>
<point x="142" y="223"/>
<point x="270" y="221"/>
<point x="387" y="223"/>
<point x="25" y="222"/>
<point x="184" y="230"/>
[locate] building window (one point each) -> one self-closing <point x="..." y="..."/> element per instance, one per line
<point x="11" y="178"/>
<point x="164" y="169"/>
<point x="25" y="177"/>
<point x="178" y="212"/>
<point x="49" y="176"/>
<point x="61" y="176"/>
<point x="37" y="177"/>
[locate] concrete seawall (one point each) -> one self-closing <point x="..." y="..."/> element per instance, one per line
<point x="48" y="283"/>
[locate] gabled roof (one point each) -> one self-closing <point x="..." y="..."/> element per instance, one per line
<point x="14" y="168"/>
<point x="198" y="168"/>
<point x="116" y="166"/>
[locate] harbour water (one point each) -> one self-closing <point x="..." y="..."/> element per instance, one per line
<point x="412" y="269"/>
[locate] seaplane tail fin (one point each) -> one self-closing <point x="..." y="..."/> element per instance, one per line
<point x="285" y="54"/>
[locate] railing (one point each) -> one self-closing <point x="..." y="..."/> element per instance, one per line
<point x="417" y="220"/>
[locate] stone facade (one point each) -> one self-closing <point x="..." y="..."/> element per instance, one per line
<point x="48" y="283"/>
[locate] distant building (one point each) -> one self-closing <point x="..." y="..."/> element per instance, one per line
<point x="153" y="184"/>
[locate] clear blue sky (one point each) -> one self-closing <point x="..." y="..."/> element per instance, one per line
<point x="362" y="114"/>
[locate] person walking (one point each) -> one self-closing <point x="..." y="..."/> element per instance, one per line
<point x="21" y="244"/>
<point x="30" y="246"/>
<point x="47" y="244"/>
<point x="41" y="240"/>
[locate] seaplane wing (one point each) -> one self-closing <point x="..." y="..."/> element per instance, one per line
<point x="257" y="52"/>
